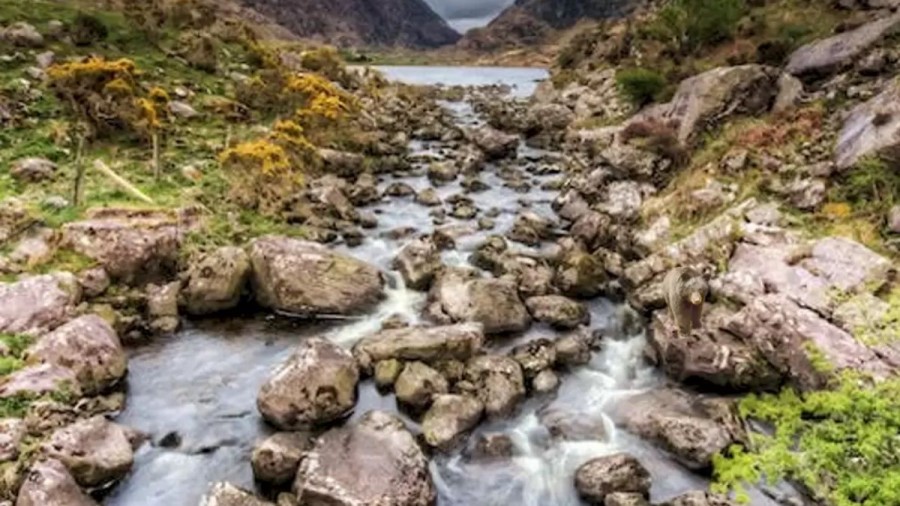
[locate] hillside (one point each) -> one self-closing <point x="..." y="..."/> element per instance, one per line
<point x="403" y="23"/>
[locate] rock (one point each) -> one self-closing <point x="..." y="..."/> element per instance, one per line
<point x="548" y="117"/>
<point x="32" y="170"/>
<point x="534" y="356"/>
<point x="833" y="54"/>
<point x="306" y="278"/>
<point x="625" y="499"/>
<point x="499" y="383"/>
<point x="364" y="191"/>
<point x="226" y="494"/>
<point x="806" y="194"/>
<point x="704" y="100"/>
<point x="443" y="172"/>
<point x="216" y="281"/>
<point x="692" y="428"/>
<point x="45" y="59"/>
<point x="450" y="417"/>
<point x="182" y="110"/>
<point x="622" y="201"/>
<point x="603" y="476"/>
<point x="94" y="281"/>
<point x="428" y="197"/>
<point x="96" y="451"/>
<point x="579" y="274"/>
<point x="790" y="89"/>
<point x="573" y="425"/>
<point x="342" y="163"/>
<point x="530" y="228"/>
<point x="700" y="498"/>
<point x="38" y="304"/>
<point x="870" y="129"/>
<point x="373" y="461"/>
<point x="36" y="247"/>
<point x="49" y="484"/>
<point x="399" y="189"/>
<point x="22" y="34"/>
<point x="316" y="386"/>
<point x="89" y="347"/>
<point x="573" y="350"/>
<point x="12" y="430"/>
<point x="893" y="220"/>
<point x="386" y="372"/>
<point x="494" y="143"/>
<point x="417" y="385"/>
<point x="495" y="303"/>
<point x="545" y="382"/>
<point x="418" y="263"/>
<point x="558" y="311"/>
<point x="494" y="446"/>
<point x="426" y="344"/>
<point x="276" y="459"/>
<point x="37" y="380"/>
<point x="162" y="307"/>
<point x="133" y="246"/>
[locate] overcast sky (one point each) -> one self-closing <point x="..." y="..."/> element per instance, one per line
<point x="466" y="14"/>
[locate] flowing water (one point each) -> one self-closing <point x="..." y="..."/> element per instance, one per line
<point x="202" y="383"/>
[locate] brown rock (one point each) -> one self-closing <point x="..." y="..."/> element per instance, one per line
<point x="50" y="484"/>
<point x="600" y="477"/>
<point x="96" y="451"/>
<point x="217" y="281"/>
<point x="38" y="304"/>
<point x="277" y="458"/>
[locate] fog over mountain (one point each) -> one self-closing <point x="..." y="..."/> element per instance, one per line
<point x="466" y="14"/>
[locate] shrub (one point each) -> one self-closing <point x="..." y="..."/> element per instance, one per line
<point x="326" y="61"/>
<point x="658" y="137"/>
<point x="840" y="444"/>
<point x="689" y="25"/>
<point x="199" y="50"/>
<point x="641" y="86"/>
<point x="86" y="30"/>
<point x="872" y="186"/>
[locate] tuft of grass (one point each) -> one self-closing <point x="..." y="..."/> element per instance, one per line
<point x="642" y="86"/>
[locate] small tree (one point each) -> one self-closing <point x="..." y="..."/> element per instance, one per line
<point x="640" y="85"/>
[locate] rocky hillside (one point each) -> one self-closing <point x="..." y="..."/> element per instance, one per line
<point x="404" y="23"/>
<point x="535" y="22"/>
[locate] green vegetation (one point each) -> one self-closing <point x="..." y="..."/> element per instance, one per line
<point x="690" y="25"/>
<point x="841" y="444"/>
<point x="871" y="188"/>
<point x="14" y="346"/>
<point x="640" y="85"/>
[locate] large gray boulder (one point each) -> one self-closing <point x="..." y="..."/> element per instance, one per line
<point x="316" y="386"/>
<point x="600" y="477"/>
<point x="458" y="296"/>
<point x="38" y="304"/>
<point x="449" y="417"/>
<point x="375" y="461"/>
<point x="499" y="383"/>
<point x="307" y="278"/>
<point x="871" y="129"/>
<point x="426" y="344"/>
<point x="418" y="263"/>
<point x="226" y="494"/>
<point x="704" y="100"/>
<point x="96" y="451"/>
<point x="50" y="484"/>
<point x="828" y="56"/>
<point x="89" y="347"/>
<point x="216" y="281"/>
<point x="22" y="34"/>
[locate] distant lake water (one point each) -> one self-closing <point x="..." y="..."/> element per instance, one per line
<point x="523" y="80"/>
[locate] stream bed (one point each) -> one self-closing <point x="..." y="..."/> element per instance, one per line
<point x="195" y="393"/>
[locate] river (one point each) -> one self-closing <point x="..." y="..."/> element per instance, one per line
<point x="202" y="383"/>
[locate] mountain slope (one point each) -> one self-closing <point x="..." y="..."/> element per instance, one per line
<point x="532" y="22"/>
<point x="406" y="23"/>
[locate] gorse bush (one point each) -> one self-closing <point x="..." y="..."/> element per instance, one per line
<point x="841" y="444"/>
<point x="689" y="25"/>
<point x="641" y="86"/>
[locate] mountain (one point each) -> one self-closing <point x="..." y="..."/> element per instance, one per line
<point x="402" y="23"/>
<point x="533" y="22"/>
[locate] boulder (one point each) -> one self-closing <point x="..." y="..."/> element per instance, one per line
<point x="534" y="356"/>
<point x="499" y="383"/>
<point x="573" y="424"/>
<point x="443" y="172"/>
<point x="558" y="311"/>
<point x="306" y="278"/>
<point x="494" y="143"/>
<point x="40" y="379"/>
<point x="573" y="350"/>
<point x="833" y="54"/>
<point x="342" y="163"/>
<point x="426" y="344"/>
<point x="182" y="110"/>
<point x="276" y="459"/>
<point x="418" y="263"/>
<point x="458" y="297"/>
<point x="893" y="220"/>
<point x="15" y="217"/>
<point x="548" y="117"/>
<point x="386" y="372"/>
<point x="94" y="281"/>
<point x="692" y="428"/>
<point x="580" y="274"/>
<point x="316" y="386"/>
<point x="38" y="304"/>
<point x="89" y="347"/>
<point x="22" y="34"/>
<point x="871" y="129"/>
<point x="417" y="385"/>
<point x="600" y="477"/>
<point x="625" y="499"/>
<point x="226" y="494"/>
<point x="450" y="417"/>
<point x="428" y="197"/>
<point x="700" y="498"/>
<point x="12" y="430"/>
<point x="96" y="451"/>
<point x="790" y="89"/>
<point x="49" y="484"/>
<point x="704" y="100"/>
<point x="545" y="382"/>
<point x="32" y="170"/>
<point x="364" y="191"/>
<point x="162" y="307"/>
<point x="133" y="246"/>
<point x="373" y="461"/>
<point x="216" y="281"/>
<point x="531" y="228"/>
